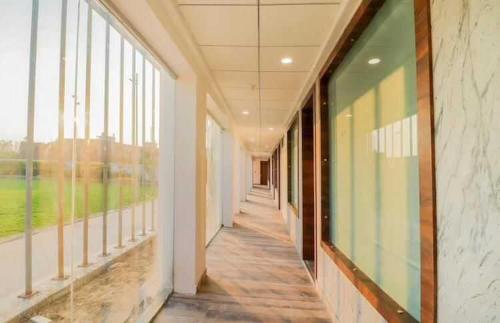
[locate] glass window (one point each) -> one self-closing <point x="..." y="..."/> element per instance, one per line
<point x="374" y="177"/>
<point x="66" y="63"/>
<point x="15" y="26"/>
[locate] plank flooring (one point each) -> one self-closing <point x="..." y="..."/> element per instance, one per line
<point x="253" y="275"/>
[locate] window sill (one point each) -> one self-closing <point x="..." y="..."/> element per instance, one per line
<point x="382" y="302"/>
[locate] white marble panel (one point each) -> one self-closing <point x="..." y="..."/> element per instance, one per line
<point x="466" y="41"/>
<point x="344" y="302"/>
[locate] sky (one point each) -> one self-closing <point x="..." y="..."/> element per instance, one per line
<point x="15" y="25"/>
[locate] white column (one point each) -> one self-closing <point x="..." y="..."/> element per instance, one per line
<point x="227" y="179"/>
<point x="249" y="173"/>
<point x="166" y="179"/>
<point x="243" y="174"/>
<point x="236" y="177"/>
<point x="190" y="184"/>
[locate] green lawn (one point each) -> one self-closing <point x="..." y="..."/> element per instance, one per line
<point x="45" y="202"/>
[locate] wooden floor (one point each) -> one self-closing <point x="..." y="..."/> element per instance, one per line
<point x="253" y="275"/>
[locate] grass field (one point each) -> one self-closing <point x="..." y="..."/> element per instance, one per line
<point x="45" y="202"/>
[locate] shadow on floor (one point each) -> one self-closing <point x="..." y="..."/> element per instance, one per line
<point x="253" y="275"/>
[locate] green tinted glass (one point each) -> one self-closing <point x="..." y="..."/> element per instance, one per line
<point x="374" y="175"/>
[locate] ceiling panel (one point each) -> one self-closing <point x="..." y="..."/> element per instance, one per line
<point x="303" y="58"/>
<point x="227" y="33"/>
<point x="278" y="105"/>
<point x="222" y="25"/>
<point x="282" y="80"/>
<point x="236" y="79"/>
<point x="274" y="118"/>
<point x="296" y="25"/>
<point x="233" y="93"/>
<point x="231" y="58"/>
<point x="278" y="94"/>
<point x="248" y="121"/>
<point x="241" y="105"/>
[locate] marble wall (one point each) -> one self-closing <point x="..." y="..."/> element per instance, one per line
<point x="466" y="41"/>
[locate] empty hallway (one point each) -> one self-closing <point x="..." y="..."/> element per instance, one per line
<point x="250" y="161"/>
<point x="253" y="274"/>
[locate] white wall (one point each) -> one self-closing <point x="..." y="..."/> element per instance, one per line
<point x="236" y="180"/>
<point x="190" y="199"/>
<point x="249" y="174"/>
<point x="228" y="181"/>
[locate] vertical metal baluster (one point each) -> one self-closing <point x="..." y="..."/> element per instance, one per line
<point x="153" y="146"/>
<point x="73" y="166"/>
<point x="121" y="152"/>
<point x="28" y="290"/>
<point x="105" y="143"/>
<point x="142" y="158"/>
<point x="86" y="158"/>
<point x="134" y="135"/>
<point x="60" y="168"/>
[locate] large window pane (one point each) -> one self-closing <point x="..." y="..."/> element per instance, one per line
<point x="101" y="170"/>
<point x="374" y="164"/>
<point x="15" y="25"/>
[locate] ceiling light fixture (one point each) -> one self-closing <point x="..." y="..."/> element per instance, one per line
<point x="286" y="60"/>
<point x="246" y="112"/>
<point x="374" y="61"/>
<point x="271" y="128"/>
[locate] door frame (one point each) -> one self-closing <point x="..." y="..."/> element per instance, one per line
<point x="308" y="183"/>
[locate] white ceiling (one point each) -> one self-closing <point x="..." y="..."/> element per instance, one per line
<point x="232" y="36"/>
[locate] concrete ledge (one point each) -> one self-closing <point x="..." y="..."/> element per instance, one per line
<point x="15" y="309"/>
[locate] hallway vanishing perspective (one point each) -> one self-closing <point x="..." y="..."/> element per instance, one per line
<point x="249" y="161"/>
<point x="253" y="274"/>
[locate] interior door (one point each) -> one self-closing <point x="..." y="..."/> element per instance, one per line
<point x="264" y="172"/>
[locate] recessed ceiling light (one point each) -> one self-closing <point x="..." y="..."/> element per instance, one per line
<point x="286" y="60"/>
<point x="374" y="61"/>
<point x="246" y="112"/>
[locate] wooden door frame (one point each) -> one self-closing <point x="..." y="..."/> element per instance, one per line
<point x="308" y="181"/>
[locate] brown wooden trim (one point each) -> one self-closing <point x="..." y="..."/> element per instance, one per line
<point x="385" y="305"/>
<point x="294" y="123"/>
<point x="427" y="169"/>
<point x="307" y="183"/>
<point x="382" y="302"/>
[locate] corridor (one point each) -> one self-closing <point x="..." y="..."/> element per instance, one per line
<point x="253" y="274"/>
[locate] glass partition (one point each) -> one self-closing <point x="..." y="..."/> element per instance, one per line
<point x="80" y="126"/>
<point x="374" y="177"/>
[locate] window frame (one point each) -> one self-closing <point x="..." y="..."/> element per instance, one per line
<point x="381" y="301"/>
<point x="289" y="135"/>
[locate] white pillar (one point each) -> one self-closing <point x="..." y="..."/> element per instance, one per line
<point x="190" y="184"/>
<point x="227" y="179"/>
<point x="243" y="174"/>
<point x="249" y="173"/>
<point x="236" y="177"/>
<point x="166" y="179"/>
